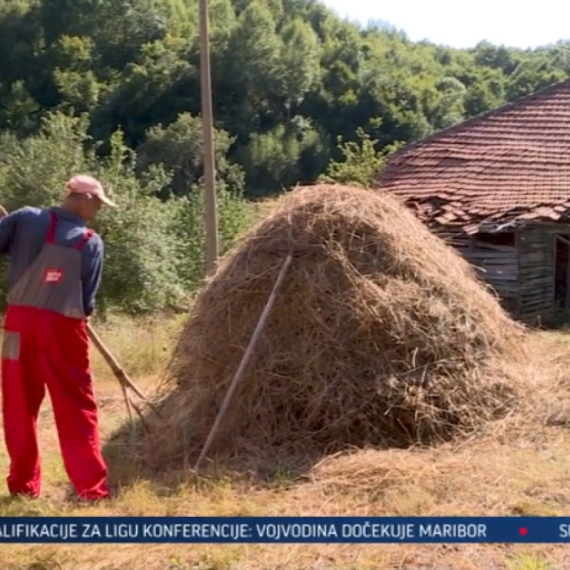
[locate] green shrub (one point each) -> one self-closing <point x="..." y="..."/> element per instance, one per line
<point x="154" y="249"/>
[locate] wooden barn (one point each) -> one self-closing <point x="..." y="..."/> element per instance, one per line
<point x="498" y="187"/>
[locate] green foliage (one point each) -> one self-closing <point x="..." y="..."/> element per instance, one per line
<point x="233" y="218"/>
<point x="134" y="65"/>
<point x="113" y="86"/>
<point x="275" y="159"/>
<point x="151" y="245"/>
<point x="361" y="164"/>
<point x="178" y="147"/>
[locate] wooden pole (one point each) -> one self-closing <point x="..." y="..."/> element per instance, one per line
<point x="245" y="360"/>
<point x="129" y="410"/>
<point x="211" y="215"/>
<point x="121" y="375"/>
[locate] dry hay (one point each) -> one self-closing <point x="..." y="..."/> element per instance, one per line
<point x="385" y="336"/>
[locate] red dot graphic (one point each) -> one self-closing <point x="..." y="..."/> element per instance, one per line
<point x="523" y="531"/>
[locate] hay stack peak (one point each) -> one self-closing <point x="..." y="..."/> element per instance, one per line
<point x="381" y="334"/>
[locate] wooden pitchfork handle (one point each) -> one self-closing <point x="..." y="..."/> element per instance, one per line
<point x="245" y="359"/>
<point x="121" y="375"/>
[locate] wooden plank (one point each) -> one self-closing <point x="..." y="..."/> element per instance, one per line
<point x="540" y="270"/>
<point x="546" y="275"/>
<point x="530" y="282"/>
<point x="534" y="247"/>
<point x="543" y="244"/>
<point x="541" y="304"/>
<point x="499" y="272"/>
<point x="537" y="316"/>
<point x="530" y="275"/>
<point x="537" y="291"/>
<point x="485" y="260"/>
<point x="535" y="312"/>
<point x="506" y="292"/>
<point x="498" y="281"/>
<point x="538" y="267"/>
<point x="545" y="226"/>
<point x="504" y="284"/>
<point x="511" y="268"/>
<point x="544" y="264"/>
<point x="517" y="302"/>
<point x="535" y="299"/>
<point x="537" y="306"/>
<point x="538" y="260"/>
<point x="553" y="251"/>
<point x="494" y="247"/>
<point x="491" y="254"/>
<point x="511" y="251"/>
<point x="537" y="285"/>
<point x="538" y="255"/>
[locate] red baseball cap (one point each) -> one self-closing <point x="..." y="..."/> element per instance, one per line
<point x="84" y="184"/>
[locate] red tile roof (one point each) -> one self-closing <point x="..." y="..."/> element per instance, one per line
<point x="506" y="166"/>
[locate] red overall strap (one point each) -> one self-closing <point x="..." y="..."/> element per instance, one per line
<point x="85" y="238"/>
<point x="52" y="225"/>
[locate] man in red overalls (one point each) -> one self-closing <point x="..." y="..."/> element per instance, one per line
<point x="55" y="272"/>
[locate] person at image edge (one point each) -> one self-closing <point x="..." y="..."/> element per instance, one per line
<point x="55" y="272"/>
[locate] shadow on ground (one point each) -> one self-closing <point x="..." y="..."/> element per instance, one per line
<point x="125" y="452"/>
<point x="128" y="467"/>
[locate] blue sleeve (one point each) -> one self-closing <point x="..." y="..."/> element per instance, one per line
<point x="7" y="229"/>
<point x="92" y="270"/>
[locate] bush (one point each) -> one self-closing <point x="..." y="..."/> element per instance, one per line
<point x="362" y="162"/>
<point x="154" y="249"/>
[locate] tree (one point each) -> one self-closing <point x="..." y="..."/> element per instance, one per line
<point x="362" y="162"/>
<point x="178" y="148"/>
<point x="300" y="65"/>
<point x="289" y="77"/>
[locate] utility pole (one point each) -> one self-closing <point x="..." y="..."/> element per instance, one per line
<point x="208" y="141"/>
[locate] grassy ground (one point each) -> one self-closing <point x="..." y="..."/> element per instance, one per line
<point x="514" y="468"/>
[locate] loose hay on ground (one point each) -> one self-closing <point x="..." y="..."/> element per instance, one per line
<point x="385" y="336"/>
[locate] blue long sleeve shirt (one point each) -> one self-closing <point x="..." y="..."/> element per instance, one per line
<point x="23" y="234"/>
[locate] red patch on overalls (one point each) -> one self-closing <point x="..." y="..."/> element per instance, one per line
<point x="53" y="275"/>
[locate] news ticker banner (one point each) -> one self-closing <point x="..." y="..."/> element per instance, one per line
<point x="315" y="530"/>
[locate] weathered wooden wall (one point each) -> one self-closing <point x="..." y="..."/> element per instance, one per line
<point x="536" y="265"/>
<point x="497" y="265"/>
<point x="523" y="274"/>
<point x="537" y="248"/>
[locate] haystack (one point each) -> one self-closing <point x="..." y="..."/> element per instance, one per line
<point x="382" y="335"/>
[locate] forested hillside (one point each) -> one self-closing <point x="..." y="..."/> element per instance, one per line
<point x="288" y="77"/>
<point x="113" y="86"/>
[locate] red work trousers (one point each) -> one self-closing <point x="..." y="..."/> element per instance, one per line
<point x="52" y="351"/>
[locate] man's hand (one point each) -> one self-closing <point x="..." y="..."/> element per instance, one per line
<point x="3" y="211"/>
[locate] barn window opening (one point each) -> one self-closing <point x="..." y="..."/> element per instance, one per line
<point x="503" y="238"/>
